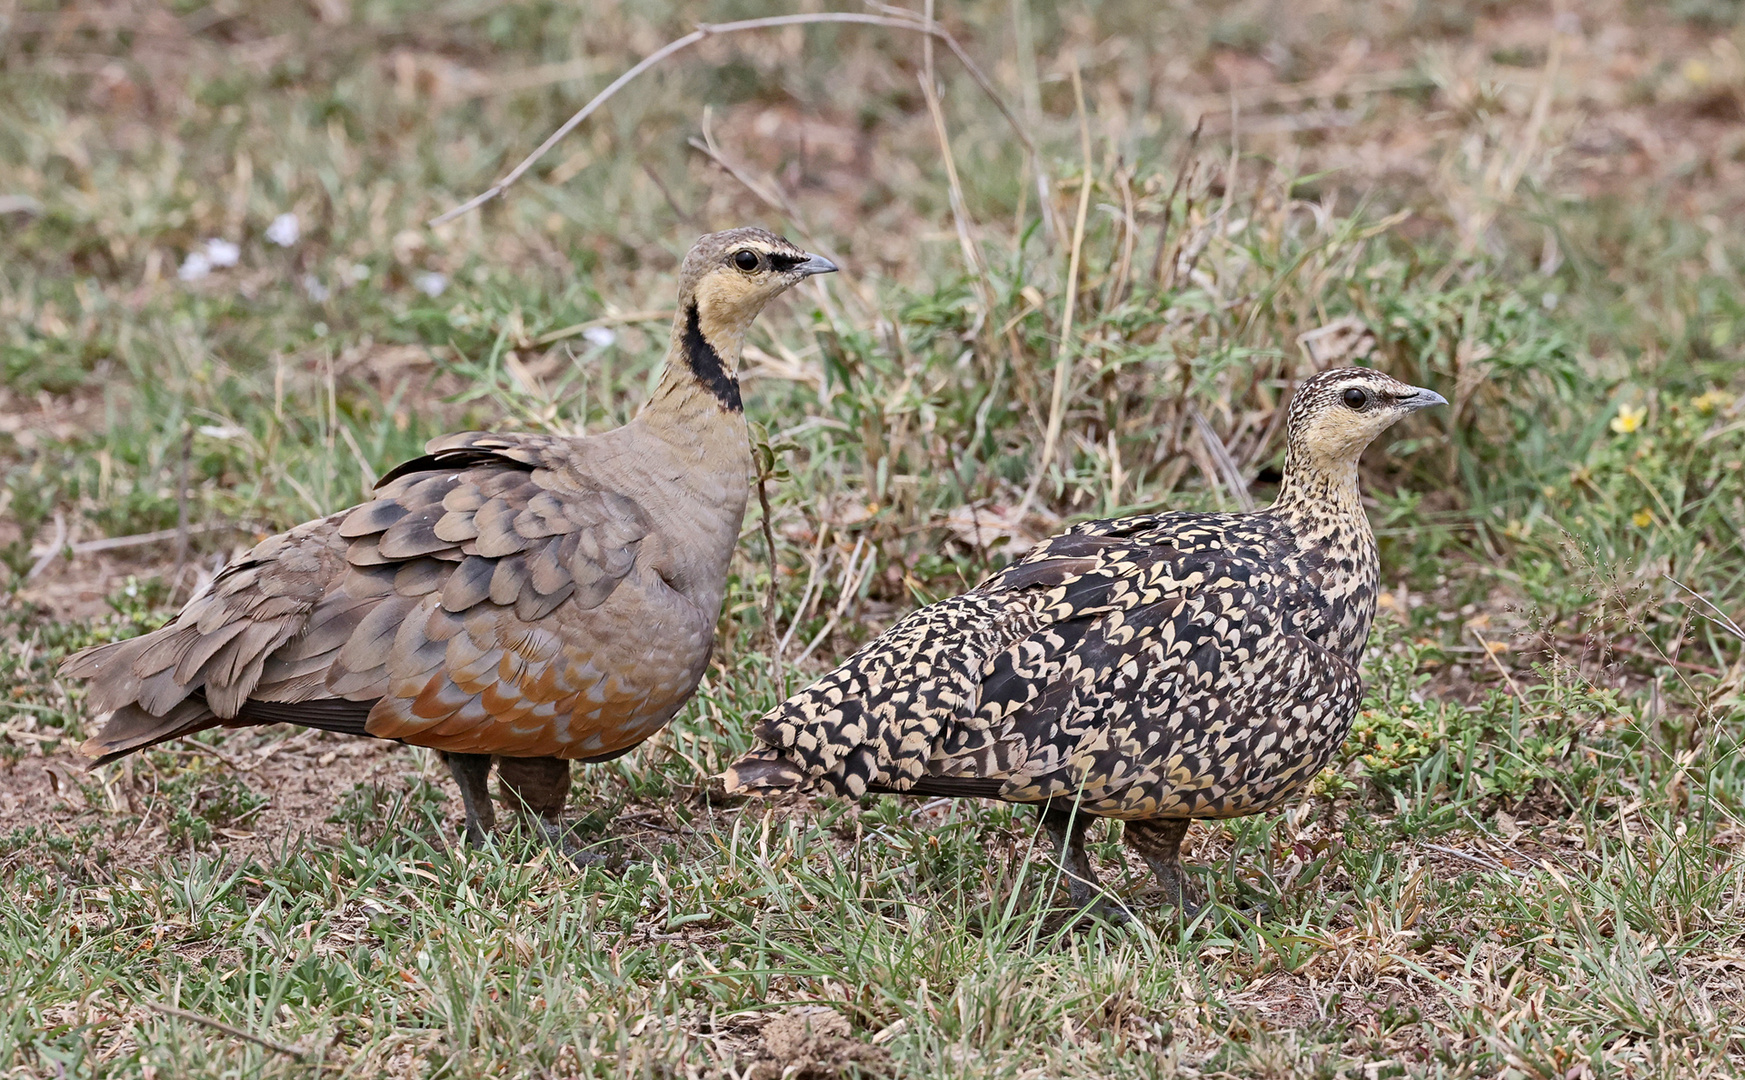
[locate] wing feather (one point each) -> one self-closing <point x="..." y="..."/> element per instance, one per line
<point x="1093" y="667"/>
<point x="446" y="606"/>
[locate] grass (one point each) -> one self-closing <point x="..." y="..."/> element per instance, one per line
<point x="1528" y="860"/>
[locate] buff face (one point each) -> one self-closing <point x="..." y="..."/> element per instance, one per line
<point x="1338" y="417"/>
<point x="732" y="275"/>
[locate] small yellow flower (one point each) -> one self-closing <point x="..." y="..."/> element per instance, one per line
<point x="1696" y="72"/>
<point x="1642" y="519"/>
<point x="1711" y="400"/>
<point x="1629" y="418"/>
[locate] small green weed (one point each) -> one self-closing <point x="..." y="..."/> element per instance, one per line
<point x="201" y="799"/>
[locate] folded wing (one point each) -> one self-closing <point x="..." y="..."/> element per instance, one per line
<point x="448" y="604"/>
<point x="1129" y="666"/>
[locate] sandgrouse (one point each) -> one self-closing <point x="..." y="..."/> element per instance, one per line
<point x="1155" y="669"/>
<point x="536" y="599"/>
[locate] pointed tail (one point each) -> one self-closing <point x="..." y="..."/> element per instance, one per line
<point x="131" y="728"/>
<point x="761" y="772"/>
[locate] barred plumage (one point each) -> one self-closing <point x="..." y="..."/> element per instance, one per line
<point x="1156" y="668"/>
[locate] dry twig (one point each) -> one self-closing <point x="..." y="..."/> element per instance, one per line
<point x="111" y="543"/>
<point x="931" y="29"/>
<point x="1477" y="860"/>
<point x="48" y="554"/>
<point x="607" y="320"/>
<point x="186" y="460"/>
<point x="1491" y="655"/>
<point x="954" y="187"/>
<point x="1227" y="469"/>
<point x="852" y="578"/>
<point x="1063" y="356"/>
<point x="1187" y="163"/>
<point x="298" y="1052"/>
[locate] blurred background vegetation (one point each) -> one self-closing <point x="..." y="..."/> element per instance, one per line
<point x="222" y="312"/>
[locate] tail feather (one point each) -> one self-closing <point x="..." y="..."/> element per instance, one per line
<point x="763" y="770"/>
<point x="109" y="670"/>
<point x="131" y="728"/>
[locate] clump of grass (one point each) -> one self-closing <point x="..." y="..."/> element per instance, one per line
<point x="1526" y="859"/>
<point x="372" y="807"/>
<point x="201" y="800"/>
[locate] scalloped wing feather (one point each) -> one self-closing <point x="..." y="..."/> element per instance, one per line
<point x="463" y="603"/>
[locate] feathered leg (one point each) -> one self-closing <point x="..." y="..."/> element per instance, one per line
<point x="534" y="787"/>
<point x="537" y="789"/>
<point x="471" y="773"/>
<point x="1159" y="843"/>
<point x="1068" y="829"/>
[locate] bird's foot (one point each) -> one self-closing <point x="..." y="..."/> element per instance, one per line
<point x="1187" y="910"/>
<point x="561" y="835"/>
<point x="1182" y="909"/>
<point x="1091" y="902"/>
<point x="1174" y="879"/>
<point x="1099" y="911"/>
<point x="1258" y="910"/>
<point x="1107" y="909"/>
<point x="1177" y="895"/>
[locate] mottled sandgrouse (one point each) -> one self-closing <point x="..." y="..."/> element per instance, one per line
<point x="538" y="599"/>
<point x="1155" y="669"/>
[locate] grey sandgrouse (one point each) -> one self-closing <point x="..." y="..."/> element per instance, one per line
<point x="535" y="598"/>
<point x="1155" y="669"/>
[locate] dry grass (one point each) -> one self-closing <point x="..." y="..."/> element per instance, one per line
<point x="1528" y="861"/>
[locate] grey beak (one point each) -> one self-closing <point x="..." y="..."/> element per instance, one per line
<point x="815" y="264"/>
<point x="1421" y="398"/>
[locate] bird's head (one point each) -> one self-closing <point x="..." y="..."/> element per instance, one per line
<point x="729" y="276"/>
<point x="1337" y="413"/>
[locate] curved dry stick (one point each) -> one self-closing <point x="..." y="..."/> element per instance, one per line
<point x="705" y="30"/>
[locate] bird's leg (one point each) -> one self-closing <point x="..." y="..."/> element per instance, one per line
<point x="534" y="787"/>
<point x="471" y="772"/>
<point x="1159" y="843"/>
<point x="537" y="789"/>
<point x="1068" y="829"/>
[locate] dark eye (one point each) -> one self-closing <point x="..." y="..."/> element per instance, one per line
<point x="1355" y="398"/>
<point x="745" y="260"/>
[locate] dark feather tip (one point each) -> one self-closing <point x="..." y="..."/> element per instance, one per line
<point x="757" y="773"/>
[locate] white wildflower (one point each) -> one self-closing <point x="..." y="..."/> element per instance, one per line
<point x="431" y="283"/>
<point x="599" y="336"/>
<point x="284" y="230"/>
<point x="195" y="266"/>
<point x="222" y="252"/>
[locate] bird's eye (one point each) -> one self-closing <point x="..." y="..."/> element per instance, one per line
<point x="1355" y="398"/>
<point x="746" y="260"/>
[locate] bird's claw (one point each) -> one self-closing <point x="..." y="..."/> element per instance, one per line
<point x="1108" y="910"/>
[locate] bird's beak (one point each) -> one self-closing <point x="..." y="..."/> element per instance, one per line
<point x="815" y="264"/>
<point x="1421" y="398"/>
